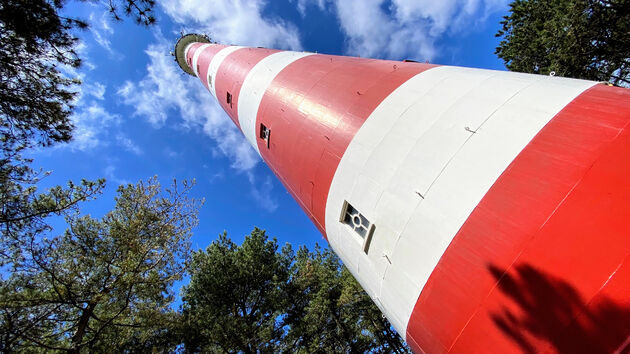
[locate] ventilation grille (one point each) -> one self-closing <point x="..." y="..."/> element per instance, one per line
<point x="358" y="223"/>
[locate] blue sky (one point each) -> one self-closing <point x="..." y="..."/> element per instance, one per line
<point x="138" y="115"/>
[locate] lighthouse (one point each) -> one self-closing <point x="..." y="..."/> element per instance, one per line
<point x="481" y="210"/>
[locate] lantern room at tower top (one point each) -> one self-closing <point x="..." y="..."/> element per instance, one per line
<point x="480" y="210"/>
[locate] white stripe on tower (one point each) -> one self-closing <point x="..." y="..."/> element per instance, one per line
<point x="187" y="49"/>
<point x="214" y="66"/>
<point x="422" y="162"/>
<point x="196" y="57"/>
<point x="254" y="87"/>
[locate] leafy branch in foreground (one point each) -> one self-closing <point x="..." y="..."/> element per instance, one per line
<point x="105" y="283"/>
<point x="37" y="93"/>
<point x="23" y="210"/>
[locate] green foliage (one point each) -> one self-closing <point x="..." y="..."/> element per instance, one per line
<point x="585" y="39"/>
<point x="36" y="98"/>
<point x="331" y="313"/>
<point x="105" y="283"/>
<point x="23" y="212"/>
<point x="35" y="42"/>
<point x="252" y="298"/>
<point x="237" y="295"/>
<point x="140" y="10"/>
<point x="57" y="295"/>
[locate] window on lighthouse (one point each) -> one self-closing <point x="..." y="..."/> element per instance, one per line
<point x="265" y="134"/>
<point x="229" y="99"/>
<point x="358" y="223"/>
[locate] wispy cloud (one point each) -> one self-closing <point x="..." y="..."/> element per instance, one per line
<point x="263" y="192"/>
<point x="303" y="5"/>
<point x="239" y="22"/>
<point x="111" y="176"/>
<point x="402" y="28"/>
<point x="94" y="89"/>
<point x="102" y="31"/>
<point x="166" y="90"/>
<point x="163" y="89"/>
<point x="91" y="120"/>
<point x="215" y="176"/>
<point x="128" y="145"/>
<point x="170" y="153"/>
<point x="165" y="93"/>
<point x="82" y="49"/>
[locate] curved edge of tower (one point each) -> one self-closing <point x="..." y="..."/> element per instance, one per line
<point x="481" y="210"/>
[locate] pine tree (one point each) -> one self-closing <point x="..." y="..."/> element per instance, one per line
<point x="36" y="97"/>
<point x="105" y="284"/>
<point x="586" y="39"/>
<point x="255" y="298"/>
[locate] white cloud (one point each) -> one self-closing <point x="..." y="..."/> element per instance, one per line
<point x="128" y="145"/>
<point x="229" y="140"/>
<point x="82" y="49"/>
<point x="91" y="121"/>
<point x="102" y="31"/>
<point x="404" y="28"/>
<point x="166" y="89"/>
<point x="170" y="153"/>
<point x="262" y="192"/>
<point x="444" y="15"/>
<point x="234" y="21"/>
<point x="94" y="89"/>
<point x="303" y="5"/>
<point x="110" y="174"/>
<point x="102" y="40"/>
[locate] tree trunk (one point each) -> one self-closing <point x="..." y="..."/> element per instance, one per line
<point x="81" y="328"/>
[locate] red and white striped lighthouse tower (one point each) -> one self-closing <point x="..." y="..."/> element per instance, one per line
<point x="482" y="211"/>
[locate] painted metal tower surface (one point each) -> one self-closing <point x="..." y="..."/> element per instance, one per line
<point x="482" y="211"/>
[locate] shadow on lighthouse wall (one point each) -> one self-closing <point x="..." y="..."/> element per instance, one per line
<point x="549" y="311"/>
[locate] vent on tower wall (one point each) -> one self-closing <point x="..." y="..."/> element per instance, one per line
<point x="358" y="223"/>
<point x="265" y="134"/>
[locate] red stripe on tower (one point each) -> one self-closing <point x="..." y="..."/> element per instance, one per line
<point x="313" y="109"/>
<point x="231" y="74"/>
<point x="204" y="62"/>
<point x="538" y="264"/>
<point x="190" y="52"/>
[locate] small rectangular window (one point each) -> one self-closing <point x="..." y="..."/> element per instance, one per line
<point x="229" y="99"/>
<point x="265" y="134"/>
<point x="209" y="80"/>
<point x="358" y="223"/>
<point x="197" y="69"/>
